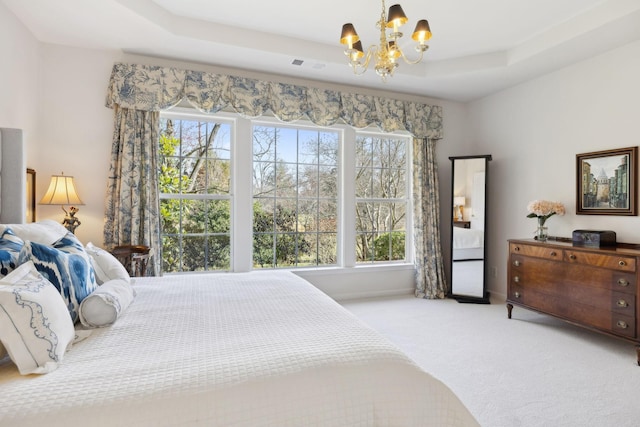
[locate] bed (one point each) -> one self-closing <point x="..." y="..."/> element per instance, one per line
<point x="237" y="349"/>
<point x="468" y="244"/>
<point x="264" y="348"/>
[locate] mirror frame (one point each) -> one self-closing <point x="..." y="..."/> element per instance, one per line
<point x="460" y="297"/>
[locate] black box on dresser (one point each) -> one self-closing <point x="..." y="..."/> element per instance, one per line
<point x="594" y="238"/>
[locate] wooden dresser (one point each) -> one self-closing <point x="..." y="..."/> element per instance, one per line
<point x="592" y="287"/>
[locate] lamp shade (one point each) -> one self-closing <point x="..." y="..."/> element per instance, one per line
<point x="396" y="16"/>
<point x="458" y="201"/>
<point x="348" y="35"/>
<point x="422" y="32"/>
<point x="62" y="191"/>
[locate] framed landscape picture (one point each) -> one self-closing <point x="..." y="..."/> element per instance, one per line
<point x="606" y="182"/>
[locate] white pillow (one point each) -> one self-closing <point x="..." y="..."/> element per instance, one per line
<point x="106" y="303"/>
<point x="106" y="266"/>
<point x="36" y="327"/>
<point x="45" y="232"/>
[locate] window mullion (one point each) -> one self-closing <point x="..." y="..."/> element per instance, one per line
<point x="242" y="210"/>
<point x="347" y="200"/>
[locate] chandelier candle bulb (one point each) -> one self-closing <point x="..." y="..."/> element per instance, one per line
<point x="357" y="51"/>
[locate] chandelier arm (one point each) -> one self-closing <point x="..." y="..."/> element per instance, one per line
<point x="414" y="61"/>
<point x="357" y="65"/>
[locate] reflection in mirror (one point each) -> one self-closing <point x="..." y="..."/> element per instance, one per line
<point x="468" y="231"/>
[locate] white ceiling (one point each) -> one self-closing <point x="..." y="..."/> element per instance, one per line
<point x="478" y="46"/>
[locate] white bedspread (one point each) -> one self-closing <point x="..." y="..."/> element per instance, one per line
<point x="243" y="349"/>
<point x="465" y="238"/>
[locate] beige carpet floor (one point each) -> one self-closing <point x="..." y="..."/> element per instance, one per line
<point x="532" y="370"/>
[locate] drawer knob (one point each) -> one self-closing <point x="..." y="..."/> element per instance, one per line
<point x="516" y="279"/>
<point x="622" y="324"/>
<point x="516" y="263"/>
<point x="622" y="303"/>
<point x="622" y="263"/>
<point x="517" y="294"/>
<point x="623" y="282"/>
<point x="572" y="256"/>
<point x="517" y="248"/>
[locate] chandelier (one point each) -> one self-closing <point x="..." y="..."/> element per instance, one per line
<point x="388" y="52"/>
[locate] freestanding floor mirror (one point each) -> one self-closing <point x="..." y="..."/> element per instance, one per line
<point x="469" y="228"/>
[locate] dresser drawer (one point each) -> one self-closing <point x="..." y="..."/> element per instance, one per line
<point x="623" y="325"/>
<point x="536" y="251"/>
<point x="623" y="303"/>
<point x="623" y="282"/>
<point x="531" y="271"/>
<point x="613" y="262"/>
<point x="601" y="318"/>
<point x="587" y="276"/>
<point x="601" y="298"/>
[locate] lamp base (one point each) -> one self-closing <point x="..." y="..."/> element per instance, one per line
<point x="70" y="221"/>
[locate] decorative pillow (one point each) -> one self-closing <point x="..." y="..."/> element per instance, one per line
<point x="46" y="232"/>
<point x="66" y="265"/>
<point x="106" y="304"/>
<point x="10" y="246"/>
<point x="106" y="266"/>
<point x="41" y="330"/>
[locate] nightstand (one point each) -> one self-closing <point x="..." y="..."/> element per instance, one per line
<point x="134" y="257"/>
<point x="462" y="224"/>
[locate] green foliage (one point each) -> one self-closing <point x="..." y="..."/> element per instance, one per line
<point x="389" y="246"/>
<point x="289" y="245"/>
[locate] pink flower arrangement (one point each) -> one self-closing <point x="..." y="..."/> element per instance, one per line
<point x="544" y="209"/>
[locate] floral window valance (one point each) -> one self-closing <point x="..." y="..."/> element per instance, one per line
<point x="153" y="88"/>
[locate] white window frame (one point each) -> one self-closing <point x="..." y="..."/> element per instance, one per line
<point x="194" y="116"/>
<point x="242" y="197"/>
<point x="407" y="200"/>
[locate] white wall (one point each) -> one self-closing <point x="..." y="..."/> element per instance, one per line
<point x="19" y="79"/>
<point x="76" y="131"/>
<point x="534" y="132"/>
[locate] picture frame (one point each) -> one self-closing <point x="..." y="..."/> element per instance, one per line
<point x="31" y="195"/>
<point x="607" y="182"/>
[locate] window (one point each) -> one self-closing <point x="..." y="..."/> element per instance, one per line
<point x="239" y="194"/>
<point x="381" y="198"/>
<point x="195" y="198"/>
<point x="295" y="190"/>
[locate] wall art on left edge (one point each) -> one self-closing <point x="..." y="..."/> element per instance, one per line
<point x="31" y="195"/>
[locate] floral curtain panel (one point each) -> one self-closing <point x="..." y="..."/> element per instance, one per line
<point x="132" y="206"/>
<point x="430" y="277"/>
<point x="142" y="88"/>
<point x="153" y="88"/>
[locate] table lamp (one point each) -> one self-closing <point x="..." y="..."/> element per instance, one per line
<point x="458" y="202"/>
<point x="62" y="191"/>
